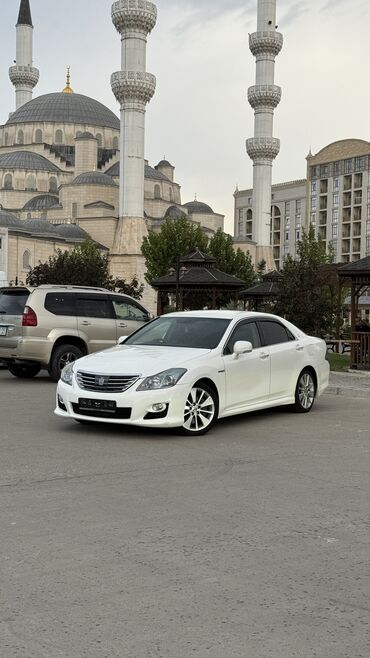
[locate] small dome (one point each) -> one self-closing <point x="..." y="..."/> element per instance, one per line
<point x="41" y="202"/>
<point x="149" y="173"/>
<point x="164" y="163"/>
<point x="197" y="207"/>
<point x="173" y="212"/>
<point x="39" y="226"/>
<point x="8" y="220"/>
<point x="94" y="178"/>
<point x="85" y="135"/>
<point x="26" y="160"/>
<point x="72" y="231"/>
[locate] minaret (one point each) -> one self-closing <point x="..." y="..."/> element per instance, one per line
<point x="264" y="97"/>
<point x="23" y="75"/>
<point x="133" y="87"/>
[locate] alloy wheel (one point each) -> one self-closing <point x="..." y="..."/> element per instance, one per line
<point x="200" y="410"/>
<point x="306" y="391"/>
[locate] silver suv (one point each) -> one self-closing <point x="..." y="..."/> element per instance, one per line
<point x="50" y="326"/>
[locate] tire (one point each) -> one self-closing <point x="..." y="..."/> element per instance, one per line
<point x="62" y="355"/>
<point x="201" y="410"/>
<point x="24" y="371"/>
<point x="305" y="393"/>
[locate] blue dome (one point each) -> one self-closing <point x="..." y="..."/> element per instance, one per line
<point x="94" y="178"/>
<point x="198" y="207"/>
<point x="26" y="160"/>
<point x="72" y="231"/>
<point x="8" y="220"/>
<point x="39" y="226"/>
<point x="42" y="202"/>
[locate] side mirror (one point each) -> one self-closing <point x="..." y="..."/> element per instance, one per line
<point x="242" y="347"/>
<point x="121" y="340"/>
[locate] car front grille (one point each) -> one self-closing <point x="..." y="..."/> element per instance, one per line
<point x="105" y="383"/>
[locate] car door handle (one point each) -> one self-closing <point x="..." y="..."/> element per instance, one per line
<point x="264" y="355"/>
<point x="122" y="324"/>
<point x="299" y="348"/>
<point x="86" y="323"/>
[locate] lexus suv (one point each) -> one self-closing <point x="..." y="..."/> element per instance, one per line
<point x="50" y="326"/>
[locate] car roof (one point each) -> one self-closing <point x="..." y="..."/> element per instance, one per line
<point x="226" y="315"/>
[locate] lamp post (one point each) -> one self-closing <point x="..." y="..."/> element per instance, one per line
<point x="178" y="271"/>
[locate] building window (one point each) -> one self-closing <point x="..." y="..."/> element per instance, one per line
<point x="368" y="194"/>
<point x="313" y="218"/>
<point x="297" y="235"/>
<point x="348" y="166"/>
<point x="58" y="137"/>
<point x="367" y="246"/>
<point x="157" y="192"/>
<point x="250" y="200"/>
<point x="336" y="200"/>
<point x="335" y="230"/>
<point x="100" y="139"/>
<point x="336" y="184"/>
<point x="313" y="203"/>
<point x="335" y="216"/>
<point x="8" y="182"/>
<point x="20" y="137"/>
<point x="115" y="143"/>
<point x="298" y="207"/>
<point x="359" y="164"/>
<point x="38" y="136"/>
<point x="314" y="172"/>
<point x="324" y="171"/>
<point x="287" y="236"/>
<point x="368" y="227"/>
<point x="314" y="187"/>
<point x="31" y="183"/>
<point x="26" y="261"/>
<point x="336" y="168"/>
<point x="53" y="184"/>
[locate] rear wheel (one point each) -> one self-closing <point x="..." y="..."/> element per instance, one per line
<point x="24" y="371"/>
<point x="201" y="410"/>
<point x="305" y="393"/>
<point x="61" y="357"/>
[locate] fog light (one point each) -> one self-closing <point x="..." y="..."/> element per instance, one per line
<point x="157" y="408"/>
<point x="61" y="404"/>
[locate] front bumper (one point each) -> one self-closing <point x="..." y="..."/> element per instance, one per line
<point x="139" y="402"/>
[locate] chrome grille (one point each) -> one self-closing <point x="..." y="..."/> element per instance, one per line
<point x="105" y="383"/>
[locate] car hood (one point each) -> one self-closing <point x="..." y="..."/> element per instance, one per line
<point x="143" y="360"/>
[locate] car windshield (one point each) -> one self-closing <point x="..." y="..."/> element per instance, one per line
<point x="12" y="302"/>
<point x="193" y="332"/>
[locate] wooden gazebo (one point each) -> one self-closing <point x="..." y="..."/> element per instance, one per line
<point x="262" y="294"/>
<point x="357" y="275"/>
<point x="195" y="283"/>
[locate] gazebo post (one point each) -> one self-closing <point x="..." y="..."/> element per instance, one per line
<point x="213" y="298"/>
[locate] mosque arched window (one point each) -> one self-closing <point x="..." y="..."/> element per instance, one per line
<point x="26" y="260"/>
<point x="99" y="138"/>
<point x="59" y="137"/>
<point x="115" y="143"/>
<point x="31" y="183"/>
<point x="157" y="192"/>
<point x="20" y="137"/>
<point x="53" y="184"/>
<point x="38" y="136"/>
<point x="8" y="182"/>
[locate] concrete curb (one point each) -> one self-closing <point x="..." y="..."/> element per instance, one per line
<point x="348" y="391"/>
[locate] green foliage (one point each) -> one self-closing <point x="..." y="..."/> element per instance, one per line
<point x="228" y="260"/>
<point x="338" y="362"/>
<point x="176" y="238"/>
<point x="84" y="265"/>
<point x="307" y="297"/>
<point x="261" y="269"/>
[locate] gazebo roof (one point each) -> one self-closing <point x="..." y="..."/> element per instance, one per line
<point x="197" y="256"/>
<point x="199" y="276"/>
<point x="268" y="287"/>
<point x="361" y="266"/>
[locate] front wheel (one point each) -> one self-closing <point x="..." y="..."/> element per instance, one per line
<point x="201" y="410"/>
<point x="304" y="393"/>
<point x="24" y="371"/>
<point x="61" y="357"/>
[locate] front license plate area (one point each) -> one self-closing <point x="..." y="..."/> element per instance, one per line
<point x="90" y="404"/>
<point x="3" y="331"/>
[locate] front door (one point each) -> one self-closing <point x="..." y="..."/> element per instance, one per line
<point x="96" y="321"/>
<point x="129" y="315"/>
<point x="248" y="376"/>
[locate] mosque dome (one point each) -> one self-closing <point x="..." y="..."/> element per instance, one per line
<point x="72" y="231"/>
<point x="8" y="220"/>
<point x="85" y="135"/>
<point x="150" y="172"/>
<point x="173" y="212"/>
<point x="26" y="160"/>
<point x="198" y="207"/>
<point x="42" y="202"/>
<point x="65" y="108"/>
<point x="164" y="163"/>
<point x="40" y="226"/>
<point x="94" y="178"/>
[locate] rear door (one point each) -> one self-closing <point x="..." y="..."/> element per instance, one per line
<point x="129" y="315"/>
<point x="286" y="355"/>
<point x="96" y="321"/>
<point x="12" y="303"/>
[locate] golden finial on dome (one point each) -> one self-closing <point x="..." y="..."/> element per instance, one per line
<point x="68" y="89"/>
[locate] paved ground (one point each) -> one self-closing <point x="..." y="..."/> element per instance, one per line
<point x="251" y="542"/>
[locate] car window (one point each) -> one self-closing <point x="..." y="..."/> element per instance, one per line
<point x="193" y="332"/>
<point x="128" y="310"/>
<point x="12" y="302"/>
<point x="274" y="332"/>
<point x="61" y="303"/>
<point x="244" y="331"/>
<point x="94" y="306"/>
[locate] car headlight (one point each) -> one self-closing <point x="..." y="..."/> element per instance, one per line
<point x="67" y="374"/>
<point x="165" y="379"/>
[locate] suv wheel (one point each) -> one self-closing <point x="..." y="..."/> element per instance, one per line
<point x="62" y="355"/>
<point x="24" y="371"/>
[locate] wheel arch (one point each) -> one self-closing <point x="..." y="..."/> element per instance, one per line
<point x="313" y="372"/>
<point x="210" y="383"/>
<point x="69" y="340"/>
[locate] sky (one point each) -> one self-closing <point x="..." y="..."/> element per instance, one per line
<point x="199" y="117"/>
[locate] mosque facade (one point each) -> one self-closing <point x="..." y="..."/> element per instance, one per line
<point x="61" y="161"/>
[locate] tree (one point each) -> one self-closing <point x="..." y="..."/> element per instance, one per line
<point x="306" y="296"/>
<point x="237" y="263"/>
<point x="176" y="238"/>
<point x="84" y="265"/>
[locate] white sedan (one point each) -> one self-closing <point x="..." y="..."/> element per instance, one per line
<point x="185" y="370"/>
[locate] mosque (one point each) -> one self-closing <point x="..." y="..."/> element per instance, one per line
<point x="61" y="161"/>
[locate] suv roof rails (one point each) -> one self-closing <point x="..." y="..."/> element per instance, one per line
<point x="70" y="287"/>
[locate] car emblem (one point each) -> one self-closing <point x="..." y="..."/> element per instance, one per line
<point x="101" y="381"/>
